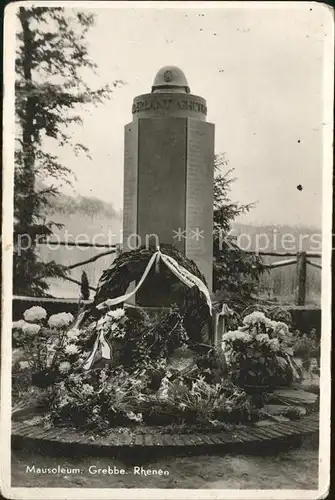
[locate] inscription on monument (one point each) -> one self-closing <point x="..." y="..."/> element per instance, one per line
<point x="168" y="104"/>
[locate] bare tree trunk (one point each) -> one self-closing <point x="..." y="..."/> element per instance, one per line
<point x="27" y="123"/>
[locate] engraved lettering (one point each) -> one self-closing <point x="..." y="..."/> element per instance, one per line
<point x="166" y="104"/>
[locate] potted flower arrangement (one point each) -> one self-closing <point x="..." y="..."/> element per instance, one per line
<point x="259" y="355"/>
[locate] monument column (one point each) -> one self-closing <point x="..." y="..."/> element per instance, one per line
<point x="168" y="171"/>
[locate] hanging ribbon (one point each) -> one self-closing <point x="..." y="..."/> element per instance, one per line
<point x="158" y="258"/>
<point x="123" y="298"/>
<point x="186" y="277"/>
<point x="106" y="351"/>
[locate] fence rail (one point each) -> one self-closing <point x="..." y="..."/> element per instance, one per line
<point x="299" y="259"/>
<point x="115" y="247"/>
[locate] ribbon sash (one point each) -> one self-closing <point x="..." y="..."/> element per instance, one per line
<point x="106" y="351"/>
<point x="123" y="298"/>
<point x="186" y="277"/>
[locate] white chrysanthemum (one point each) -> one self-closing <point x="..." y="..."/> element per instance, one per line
<point x="244" y="336"/>
<point x="31" y="329"/>
<point x="257" y="317"/>
<point x="116" y="314"/>
<point x="101" y="322"/>
<point x="64" y="366"/>
<point x="274" y="344"/>
<point x="35" y="313"/>
<point x="137" y="417"/>
<point x="262" y="337"/>
<point x="231" y="335"/>
<point x="71" y="349"/>
<point x="103" y="375"/>
<point x="60" y="320"/>
<point x="73" y="335"/>
<point x="87" y="389"/>
<point x="236" y="335"/>
<point x="18" y="325"/>
<point x="75" y="378"/>
<point x="23" y="365"/>
<point x="281" y="329"/>
<point x="105" y="323"/>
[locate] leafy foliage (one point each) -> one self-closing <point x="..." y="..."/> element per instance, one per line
<point x="51" y="59"/>
<point x="306" y="347"/>
<point x="235" y="272"/>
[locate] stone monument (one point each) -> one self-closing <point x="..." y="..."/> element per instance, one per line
<point x="168" y="171"/>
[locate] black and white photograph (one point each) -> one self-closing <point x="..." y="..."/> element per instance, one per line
<point x="166" y="243"/>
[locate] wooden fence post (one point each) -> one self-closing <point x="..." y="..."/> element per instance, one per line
<point x="300" y="297"/>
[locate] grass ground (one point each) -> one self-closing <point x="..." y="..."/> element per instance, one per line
<point x="295" y="468"/>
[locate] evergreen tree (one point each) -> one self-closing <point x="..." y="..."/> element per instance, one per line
<point x="84" y="287"/>
<point x="235" y="272"/>
<point x="51" y="56"/>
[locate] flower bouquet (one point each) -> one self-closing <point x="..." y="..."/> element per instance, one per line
<point x="35" y="341"/>
<point x="258" y="354"/>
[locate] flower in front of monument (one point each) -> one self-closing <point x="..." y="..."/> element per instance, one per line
<point x="87" y="390"/>
<point x="257" y="318"/>
<point x="258" y="354"/>
<point x="71" y="349"/>
<point x="35" y="314"/>
<point x="236" y="335"/>
<point x="31" y="329"/>
<point x="164" y="389"/>
<point x="75" y="378"/>
<point x="263" y="338"/>
<point x="137" y="417"/>
<point x="274" y="344"/>
<point x="25" y="327"/>
<point x="23" y="365"/>
<point x="111" y="324"/>
<point x="18" y="325"/>
<point x="281" y="329"/>
<point x="73" y="335"/>
<point x="116" y="314"/>
<point x="64" y="366"/>
<point x="60" y="320"/>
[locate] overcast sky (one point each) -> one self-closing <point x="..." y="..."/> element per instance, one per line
<point x="261" y="72"/>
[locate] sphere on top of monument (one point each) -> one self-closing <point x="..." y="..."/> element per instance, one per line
<point x="170" y="79"/>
